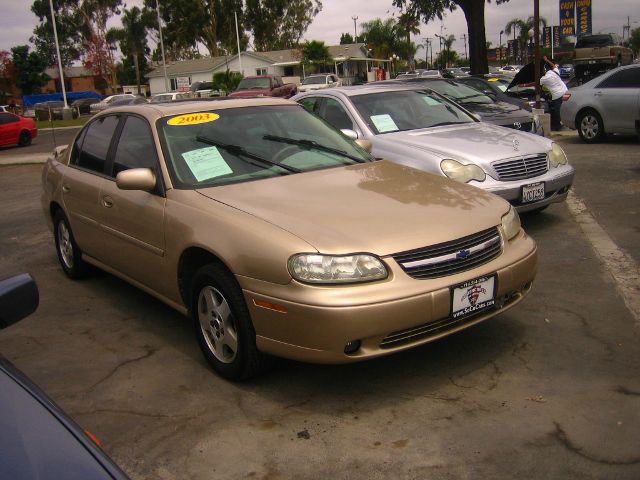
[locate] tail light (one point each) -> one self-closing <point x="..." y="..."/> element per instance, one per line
<point x="566" y="97"/>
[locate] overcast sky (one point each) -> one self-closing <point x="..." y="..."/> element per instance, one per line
<point x="336" y="17"/>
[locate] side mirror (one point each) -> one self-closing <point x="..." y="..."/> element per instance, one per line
<point x="136" y="179"/>
<point x="19" y="298"/>
<point x="347" y="132"/>
<point x="365" y="144"/>
<point x="477" y="117"/>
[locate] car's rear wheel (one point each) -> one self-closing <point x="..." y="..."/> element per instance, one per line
<point x="25" y="138"/>
<point x="223" y="325"/>
<point x="590" y="126"/>
<point x="69" y="253"/>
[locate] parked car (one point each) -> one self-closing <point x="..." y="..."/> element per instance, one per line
<point x="38" y="440"/>
<point x="430" y="73"/>
<point x="316" y="82"/>
<point x="51" y="110"/>
<point x="83" y="105"/>
<point x="566" y="70"/>
<point x="106" y="103"/>
<point x="454" y="73"/>
<point x="128" y="101"/>
<point x="595" y="54"/>
<point x="512" y="69"/>
<point x="264" y="86"/>
<point x="278" y="235"/>
<point x="16" y="130"/>
<point x="496" y="88"/>
<point x="419" y="128"/>
<point x="170" y="97"/>
<point x="607" y="104"/>
<point x="489" y="109"/>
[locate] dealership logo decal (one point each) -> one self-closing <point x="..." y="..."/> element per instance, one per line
<point x="516" y="145"/>
<point x="473" y="294"/>
<point x="462" y="254"/>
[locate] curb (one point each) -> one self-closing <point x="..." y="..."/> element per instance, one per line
<point x="25" y="159"/>
<point x="48" y="129"/>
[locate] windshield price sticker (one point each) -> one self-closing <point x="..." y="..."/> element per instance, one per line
<point x="384" y="123"/>
<point x="206" y="163"/>
<point x="193" y="118"/>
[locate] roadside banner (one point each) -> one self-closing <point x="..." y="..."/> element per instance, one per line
<point x="584" y="17"/>
<point x="546" y="37"/>
<point x="567" y="19"/>
<point x="556" y="37"/>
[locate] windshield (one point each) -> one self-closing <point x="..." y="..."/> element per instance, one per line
<point x="314" y="80"/>
<point x="459" y="93"/>
<point x="594" y="41"/>
<point x="249" y="83"/>
<point x="224" y="146"/>
<point x="407" y="110"/>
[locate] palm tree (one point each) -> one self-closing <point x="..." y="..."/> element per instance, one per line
<point x="132" y="37"/>
<point x="315" y="52"/>
<point x="381" y="37"/>
<point x="408" y="24"/>
<point x="523" y="27"/>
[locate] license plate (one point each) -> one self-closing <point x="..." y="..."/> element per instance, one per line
<point x="473" y="296"/>
<point x="533" y="192"/>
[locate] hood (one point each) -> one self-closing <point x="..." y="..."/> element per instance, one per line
<point x="251" y="92"/>
<point x="378" y="207"/>
<point x="478" y="142"/>
<point x="499" y="112"/>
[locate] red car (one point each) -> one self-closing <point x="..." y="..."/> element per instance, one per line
<point x="16" y="130"/>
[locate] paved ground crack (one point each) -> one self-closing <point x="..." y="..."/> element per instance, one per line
<point x="150" y="351"/>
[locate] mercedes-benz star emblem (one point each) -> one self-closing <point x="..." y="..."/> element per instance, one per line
<point x="517" y="125"/>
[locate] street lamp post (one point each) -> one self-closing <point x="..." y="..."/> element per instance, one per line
<point x="394" y="59"/>
<point x="500" y="46"/>
<point x="355" y="30"/>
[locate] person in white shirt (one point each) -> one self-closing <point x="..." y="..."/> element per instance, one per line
<point x="552" y="81"/>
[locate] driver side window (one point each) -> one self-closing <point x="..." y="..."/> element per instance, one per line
<point x="334" y="113"/>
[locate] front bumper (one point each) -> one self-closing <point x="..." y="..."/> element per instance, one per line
<point x="385" y="317"/>
<point x="557" y="182"/>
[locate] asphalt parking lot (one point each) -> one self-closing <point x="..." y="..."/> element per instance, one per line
<point x="550" y="389"/>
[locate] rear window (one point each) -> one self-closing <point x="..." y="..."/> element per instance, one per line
<point x="594" y="41"/>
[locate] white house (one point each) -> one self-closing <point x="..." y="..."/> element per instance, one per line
<point x="351" y="62"/>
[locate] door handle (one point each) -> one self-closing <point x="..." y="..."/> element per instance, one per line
<point x="66" y="189"/>
<point x="107" y="202"/>
<point x="598" y="94"/>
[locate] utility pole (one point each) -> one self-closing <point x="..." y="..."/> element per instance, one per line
<point x="536" y="48"/>
<point x="427" y="42"/>
<point x="627" y="28"/>
<point x="464" y="37"/>
<point x="355" y="30"/>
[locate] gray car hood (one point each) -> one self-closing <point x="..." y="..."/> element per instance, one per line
<point x="479" y="143"/>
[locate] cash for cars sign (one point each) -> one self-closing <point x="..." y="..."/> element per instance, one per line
<point x="584" y="17"/>
<point x="567" y="18"/>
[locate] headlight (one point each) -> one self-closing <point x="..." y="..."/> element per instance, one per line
<point x="511" y="223"/>
<point x="557" y="156"/>
<point x="462" y="173"/>
<point x="316" y="268"/>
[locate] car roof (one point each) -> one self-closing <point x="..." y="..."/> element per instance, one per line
<point x="373" y="87"/>
<point x="154" y="111"/>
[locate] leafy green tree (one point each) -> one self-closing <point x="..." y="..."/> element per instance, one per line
<point x="448" y="57"/>
<point x="473" y="10"/>
<point x="346" y="39"/>
<point x="132" y="37"/>
<point x="382" y="37"/>
<point x="523" y="27"/>
<point x="226" y="81"/>
<point x="634" y="40"/>
<point x="315" y="53"/>
<point x="68" y="27"/>
<point x="279" y="24"/>
<point x="28" y="69"/>
<point x="189" y="23"/>
<point x="407" y="25"/>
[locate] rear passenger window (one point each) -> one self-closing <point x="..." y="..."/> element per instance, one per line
<point x="135" y="148"/>
<point x="310" y="103"/>
<point x="94" y="149"/>
<point x="627" y="78"/>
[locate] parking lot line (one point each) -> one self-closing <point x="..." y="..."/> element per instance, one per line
<point x="620" y="265"/>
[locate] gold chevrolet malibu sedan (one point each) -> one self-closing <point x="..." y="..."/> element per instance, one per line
<point x="278" y="235"/>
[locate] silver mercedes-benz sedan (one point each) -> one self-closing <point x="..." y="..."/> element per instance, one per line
<point x="422" y="129"/>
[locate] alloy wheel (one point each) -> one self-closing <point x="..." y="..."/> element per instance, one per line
<point x="217" y="324"/>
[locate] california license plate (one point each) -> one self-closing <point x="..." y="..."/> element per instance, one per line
<point x="533" y="192"/>
<point x="473" y="296"/>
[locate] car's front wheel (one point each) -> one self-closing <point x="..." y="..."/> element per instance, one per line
<point x="223" y="325"/>
<point x="25" y="139"/>
<point x="590" y="126"/>
<point x="69" y="253"/>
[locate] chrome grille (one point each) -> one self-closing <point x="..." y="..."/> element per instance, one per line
<point x="524" y="126"/>
<point x="451" y="257"/>
<point x="522" y="167"/>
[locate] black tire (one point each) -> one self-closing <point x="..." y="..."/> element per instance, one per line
<point x="25" y="138"/>
<point x="590" y="126"/>
<point x="223" y="325"/>
<point x="69" y="254"/>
